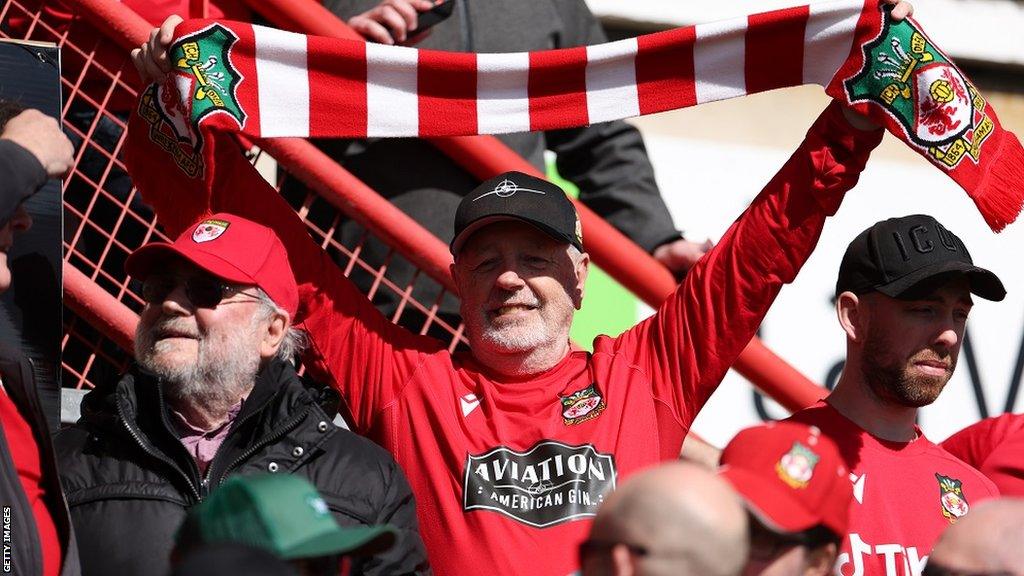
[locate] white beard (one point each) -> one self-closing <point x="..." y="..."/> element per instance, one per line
<point x="224" y="369"/>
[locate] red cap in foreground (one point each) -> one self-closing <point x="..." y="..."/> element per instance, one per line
<point x="791" y="477"/>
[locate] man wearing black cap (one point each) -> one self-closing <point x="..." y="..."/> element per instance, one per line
<point x="902" y="297"/>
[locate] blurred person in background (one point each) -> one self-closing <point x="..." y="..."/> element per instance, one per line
<point x="903" y="296"/>
<point x="797" y="492"/>
<point x="995" y="446"/>
<point x="675" y="519"/>
<point x="988" y="542"/>
<point x="38" y="538"/>
<point x="213" y="394"/>
<point x="284" y="515"/>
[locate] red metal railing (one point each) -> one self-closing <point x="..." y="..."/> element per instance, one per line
<point x="485" y="156"/>
<point x="107" y="221"/>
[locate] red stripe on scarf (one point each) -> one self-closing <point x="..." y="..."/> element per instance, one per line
<point x="447" y="93"/>
<point x="664" y="70"/>
<point x="243" y="57"/>
<point x="558" y="88"/>
<point x="334" y="69"/>
<point x="775" y="49"/>
<point x="868" y="26"/>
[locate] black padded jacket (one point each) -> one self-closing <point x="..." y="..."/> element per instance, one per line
<point x="129" y="481"/>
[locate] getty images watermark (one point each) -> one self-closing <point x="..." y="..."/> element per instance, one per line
<point x="7" y="540"/>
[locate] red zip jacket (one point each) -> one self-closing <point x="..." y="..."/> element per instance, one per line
<point x="508" y="474"/>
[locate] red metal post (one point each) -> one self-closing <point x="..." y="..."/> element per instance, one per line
<point x="483" y="156"/>
<point x="97" y="307"/>
<point x="361" y="203"/>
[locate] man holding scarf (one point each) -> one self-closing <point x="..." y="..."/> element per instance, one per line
<point x="511" y="446"/>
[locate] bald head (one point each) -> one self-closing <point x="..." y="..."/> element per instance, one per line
<point x="988" y="539"/>
<point x="688" y="520"/>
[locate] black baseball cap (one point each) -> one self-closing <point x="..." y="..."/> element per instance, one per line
<point x="518" y="196"/>
<point x="900" y="257"/>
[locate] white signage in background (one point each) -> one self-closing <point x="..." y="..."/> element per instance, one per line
<point x="707" y="185"/>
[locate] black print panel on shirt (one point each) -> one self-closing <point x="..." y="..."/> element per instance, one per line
<point x="548" y="484"/>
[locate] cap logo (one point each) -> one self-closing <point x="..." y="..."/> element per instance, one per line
<point x="919" y="240"/>
<point x="579" y="230"/>
<point x="318" y="505"/>
<point x="796" y="467"/>
<point x="208" y="230"/>
<point x="507" y="188"/>
<point x="952" y="498"/>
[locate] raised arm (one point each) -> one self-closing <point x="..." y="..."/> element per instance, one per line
<point x="32" y="149"/>
<point x="689" y="344"/>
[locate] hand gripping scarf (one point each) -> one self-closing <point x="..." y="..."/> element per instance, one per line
<point x="233" y="77"/>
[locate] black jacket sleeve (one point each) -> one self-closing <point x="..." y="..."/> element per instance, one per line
<point x="408" y="556"/>
<point x="608" y="161"/>
<point x="21" y="175"/>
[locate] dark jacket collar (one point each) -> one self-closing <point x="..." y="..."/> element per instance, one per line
<point x="278" y="404"/>
<point x="278" y="393"/>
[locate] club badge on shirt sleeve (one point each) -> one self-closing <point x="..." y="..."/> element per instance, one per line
<point x="582" y="405"/>
<point x="952" y="498"/>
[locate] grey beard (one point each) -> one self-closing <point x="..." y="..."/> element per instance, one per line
<point x="216" y="381"/>
<point x="216" y="385"/>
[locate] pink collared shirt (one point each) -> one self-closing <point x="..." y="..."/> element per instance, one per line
<point x="202" y="444"/>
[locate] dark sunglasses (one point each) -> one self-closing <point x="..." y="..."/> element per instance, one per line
<point x="202" y="291"/>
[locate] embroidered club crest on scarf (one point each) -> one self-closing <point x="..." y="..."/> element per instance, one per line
<point x="939" y="110"/>
<point x="203" y="82"/>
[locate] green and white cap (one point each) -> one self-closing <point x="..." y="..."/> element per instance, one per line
<point x="280" y="513"/>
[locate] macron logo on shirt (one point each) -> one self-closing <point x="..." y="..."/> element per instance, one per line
<point x="858" y="486"/>
<point x="469" y="403"/>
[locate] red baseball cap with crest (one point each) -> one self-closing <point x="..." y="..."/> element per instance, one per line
<point x="791" y="477"/>
<point x="231" y="248"/>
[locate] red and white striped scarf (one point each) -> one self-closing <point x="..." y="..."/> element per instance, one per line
<point x="263" y="82"/>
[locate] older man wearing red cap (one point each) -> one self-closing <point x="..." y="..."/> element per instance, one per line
<point x="795" y="487"/>
<point x="214" y="394"/>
